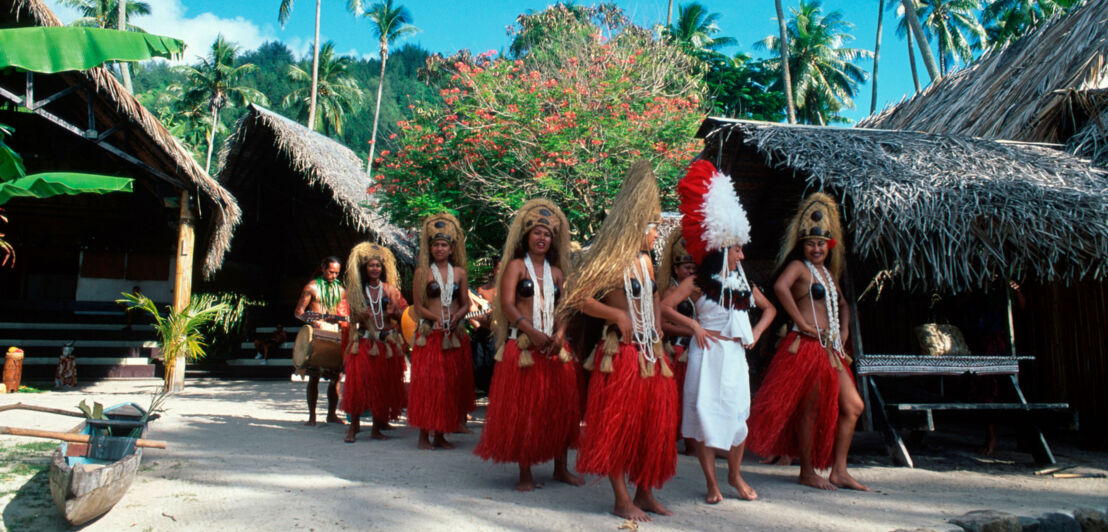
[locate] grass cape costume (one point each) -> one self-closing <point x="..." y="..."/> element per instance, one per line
<point x="803" y="362"/>
<point x="441" y="391"/>
<point x="631" y="415"/>
<point x="375" y="364"/>
<point x="716" y="397"/>
<point x="534" y="413"/>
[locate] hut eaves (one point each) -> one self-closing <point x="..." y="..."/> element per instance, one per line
<point x="950" y="211"/>
<point x="1025" y="91"/>
<point x="320" y="162"/>
<point x="160" y="149"/>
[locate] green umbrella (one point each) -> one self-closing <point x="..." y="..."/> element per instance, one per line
<point x="59" y="48"/>
<point x="50" y="184"/>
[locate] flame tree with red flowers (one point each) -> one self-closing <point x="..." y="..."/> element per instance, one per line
<point x="586" y="94"/>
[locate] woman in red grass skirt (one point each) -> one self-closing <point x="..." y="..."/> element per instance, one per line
<point x="631" y="413"/>
<point x="533" y="414"/>
<point x="807" y="405"/>
<point x="438" y="397"/>
<point x="375" y="364"/>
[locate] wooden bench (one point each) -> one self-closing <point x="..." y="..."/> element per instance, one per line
<point x="870" y="366"/>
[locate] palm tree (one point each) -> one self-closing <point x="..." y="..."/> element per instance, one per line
<point x="950" y="21"/>
<point x="825" y="78"/>
<point x="110" y="14"/>
<point x="282" y="17"/>
<point x="215" y="80"/>
<point x="1006" y="20"/>
<point x="697" y="28"/>
<point x="338" y="92"/>
<point x="917" y="32"/>
<point x="904" y="31"/>
<point x="390" y="23"/>
<point x="783" y="53"/>
<point x="877" y="53"/>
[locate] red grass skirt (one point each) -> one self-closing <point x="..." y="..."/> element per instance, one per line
<point x="463" y="359"/>
<point x="630" y="423"/>
<point x="355" y="387"/>
<point x="434" y="398"/>
<point x="387" y="397"/>
<point x="776" y="409"/>
<point x="533" y="413"/>
<point x="679" y="369"/>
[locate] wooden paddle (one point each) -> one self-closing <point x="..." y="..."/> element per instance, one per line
<point x="70" y="437"/>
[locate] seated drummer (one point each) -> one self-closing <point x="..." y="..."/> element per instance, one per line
<point x="323" y="295"/>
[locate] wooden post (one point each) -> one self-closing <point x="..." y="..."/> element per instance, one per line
<point x="182" y="284"/>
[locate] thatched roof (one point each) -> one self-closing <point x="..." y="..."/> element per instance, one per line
<point x="1020" y="92"/>
<point x="267" y="146"/>
<point x="951" y="211"/>
<point x="143" y="136"/>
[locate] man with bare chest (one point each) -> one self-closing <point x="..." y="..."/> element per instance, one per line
<point x="322" y="305"/>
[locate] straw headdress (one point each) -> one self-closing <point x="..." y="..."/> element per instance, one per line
<point x="619" y="240"/>
<point x="355" y="272"/>
<point x="443" y="226"/>
<point x="534" y="213"/>
<point x="673" y="255"/>
<point x="816" y="217"/>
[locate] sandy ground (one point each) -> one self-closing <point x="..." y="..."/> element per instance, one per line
<point x="240" y="458"/>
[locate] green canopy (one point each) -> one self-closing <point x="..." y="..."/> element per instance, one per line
<point x="50" y="184"/>
<point x="59" y="48"/>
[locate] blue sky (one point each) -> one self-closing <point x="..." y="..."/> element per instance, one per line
<point x="448" y="26"/>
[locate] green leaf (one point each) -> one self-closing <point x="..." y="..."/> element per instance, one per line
<point x="97" y="411"/>
<point x="51" y="184"/>
<point x="11" y="164"/>
<point x="85" y="409"/>
<point x="61" y="48"/>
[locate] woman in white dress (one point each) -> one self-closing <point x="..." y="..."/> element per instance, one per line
<point x="716" y="400"/>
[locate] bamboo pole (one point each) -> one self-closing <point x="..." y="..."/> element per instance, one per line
<point x="21" y="406"/>
<point x="182" y="284"/>
<point x="70" y="437"/>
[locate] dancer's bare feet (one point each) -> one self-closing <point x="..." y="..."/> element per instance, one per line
<point x="631" y="512"/>
<point x="526" y="481"/>
<point x="780" y="460"/>
<point x="424" y="443"/>
<point x="714" y="496"/>
<point x="441" y="443"/>
<point x="332" y="418"/>
<point x="568" y="477"/>
<point x="814" y="480"/>
<point x="350" y="434"/>
<point x="376" y="434"/>
<point x="746" y="492"/>
<point x="310" y="422"/>
<point x="844" y="480"/>
<point x="645" y="500"/>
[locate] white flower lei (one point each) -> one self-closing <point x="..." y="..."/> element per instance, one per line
<point x="446" y="294"/>
<point x="542" y="302"/>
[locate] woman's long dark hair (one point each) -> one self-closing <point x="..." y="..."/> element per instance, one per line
<point x="552" y="253"/>
<point x="711" y="265"/>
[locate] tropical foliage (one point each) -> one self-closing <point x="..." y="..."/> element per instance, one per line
<point x="1006" y="20"/>
<point x="217" y="82"/>
<point x="824" y="76"/>
<point x="105" y="13"/>
<point x="565" y="122"/>
<point x="180" y="332"/>
<point x="337" y="93"/>
<point x="951" y="23"/>
<point x="697" y="28"/>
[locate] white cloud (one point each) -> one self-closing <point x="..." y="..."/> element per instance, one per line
<point x="170" y="18"/>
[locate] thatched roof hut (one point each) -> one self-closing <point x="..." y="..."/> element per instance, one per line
<point x="950" y="212"/>
<point x="126" y="139"/>
<point x="303" y="196"/>
<point x="1043" y="87"/>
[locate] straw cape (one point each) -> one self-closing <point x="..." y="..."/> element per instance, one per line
<point x="1042" y="87"/>
<point x="950" y="211"/>
<point x="144" y="138"/>
<point x="266" y="145"/>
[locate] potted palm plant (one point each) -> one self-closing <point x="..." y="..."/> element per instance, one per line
<point x="179" y="332"/>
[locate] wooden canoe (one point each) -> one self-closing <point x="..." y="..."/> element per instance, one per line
<point x="87" y="480"/>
